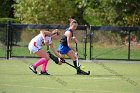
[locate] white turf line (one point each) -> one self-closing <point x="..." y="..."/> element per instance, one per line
<point x="50" y="88"/>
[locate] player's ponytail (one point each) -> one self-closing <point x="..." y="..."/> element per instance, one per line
<point x="56" y="31"/>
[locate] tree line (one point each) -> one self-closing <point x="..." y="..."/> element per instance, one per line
<point x="94" y="12"/>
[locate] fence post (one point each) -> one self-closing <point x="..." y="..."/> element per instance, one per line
<point x="91" y="43"/>
<point x="129" y="45"/>
<point x="8" y="39"/>
<point x="85" y="37"/>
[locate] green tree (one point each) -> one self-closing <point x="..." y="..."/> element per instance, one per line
<point x="85" y="14"/>
<point x="44" y="11"/>
<point x="128" y="12"/>
<point x="112" y="12"/>
<point x="6" y="9"/>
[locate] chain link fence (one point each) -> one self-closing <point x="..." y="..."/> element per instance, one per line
<point x="95" y="42"/>
<point x="118" y="43"/>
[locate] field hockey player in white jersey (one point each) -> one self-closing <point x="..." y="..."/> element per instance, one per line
<point x="44" y="38"/>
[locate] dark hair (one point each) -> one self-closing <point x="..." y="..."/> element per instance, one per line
<point x="72" y="21"/>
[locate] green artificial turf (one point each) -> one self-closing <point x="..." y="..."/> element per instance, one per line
<point x="114" y="77"/>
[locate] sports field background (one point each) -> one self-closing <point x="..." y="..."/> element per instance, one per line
<point x="106" y="77"/>
<point x="102" y="47"/>
<point x="99" y="51"/>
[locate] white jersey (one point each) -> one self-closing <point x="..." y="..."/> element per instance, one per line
<point x="36" y="43"/>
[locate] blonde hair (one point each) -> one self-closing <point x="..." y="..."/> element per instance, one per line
<point x="56" y="31"/>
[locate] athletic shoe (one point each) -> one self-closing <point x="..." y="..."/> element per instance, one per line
<point x="83" y="73"/>
<point x="33" y="69"/>
<point x="43" y="73"/>
<point x="79" y="72"/>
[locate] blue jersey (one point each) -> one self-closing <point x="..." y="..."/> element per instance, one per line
<point x="63" y="47"/>
<point x="63" y="40"/>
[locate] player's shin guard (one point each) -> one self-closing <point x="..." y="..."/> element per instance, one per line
<point x="54" y="58"/>
<point x="76" y="64"/>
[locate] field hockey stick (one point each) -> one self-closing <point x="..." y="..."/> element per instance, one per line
<point x="85" y="73"/>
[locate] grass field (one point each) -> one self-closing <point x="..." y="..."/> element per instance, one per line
<point x="113" y="77"/>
